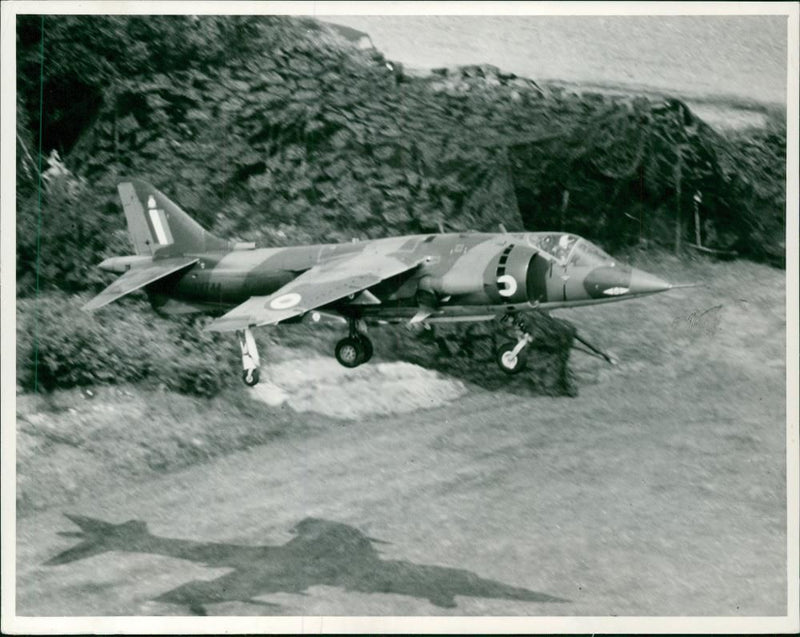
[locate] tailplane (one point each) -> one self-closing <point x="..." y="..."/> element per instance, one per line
<point x="155" y="223"/>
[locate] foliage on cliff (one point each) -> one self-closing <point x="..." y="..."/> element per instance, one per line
<point x="278" y="130"/>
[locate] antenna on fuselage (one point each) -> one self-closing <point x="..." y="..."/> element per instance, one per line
<point x="502" y="228"/>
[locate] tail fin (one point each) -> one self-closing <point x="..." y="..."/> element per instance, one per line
<point x="155" y="222"/>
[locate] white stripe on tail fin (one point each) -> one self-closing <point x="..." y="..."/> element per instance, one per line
<point x="158" y="221"/>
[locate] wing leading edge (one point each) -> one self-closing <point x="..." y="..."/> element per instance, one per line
<point x="319" y="286"/>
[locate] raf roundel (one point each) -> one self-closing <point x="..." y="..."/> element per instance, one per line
<point x="509" y="284"/>
<point x="285" y="301"/>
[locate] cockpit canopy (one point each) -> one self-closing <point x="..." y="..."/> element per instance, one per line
<point x="568" y="249"/>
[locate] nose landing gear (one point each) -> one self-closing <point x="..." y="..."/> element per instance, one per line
<point x="511" y="356"/>
<point x="356" y="349"/>
<point x="250" y="361"/>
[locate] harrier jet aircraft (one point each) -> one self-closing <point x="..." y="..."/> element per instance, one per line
<point x="416" y="279"/>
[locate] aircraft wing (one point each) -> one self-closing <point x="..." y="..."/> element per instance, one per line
<point x="319" y="286"/>
<point x="137" y="278"/>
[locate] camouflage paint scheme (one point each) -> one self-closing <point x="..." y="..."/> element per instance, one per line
<point x="478" y="275"/>
<point x="420" y="279"/>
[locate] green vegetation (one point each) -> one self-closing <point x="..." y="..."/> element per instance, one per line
<point x="277" y="130"/>
<point x="60" y="346"/>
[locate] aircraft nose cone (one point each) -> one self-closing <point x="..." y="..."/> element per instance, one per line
<point x="645" y="283"/>
<point x="609" y="281"/>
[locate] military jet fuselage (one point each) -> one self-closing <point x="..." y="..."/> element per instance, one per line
<point x="419" y="279"/>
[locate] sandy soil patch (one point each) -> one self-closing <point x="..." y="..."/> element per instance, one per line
<point x="323" y="386"/>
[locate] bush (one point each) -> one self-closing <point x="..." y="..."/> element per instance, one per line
<point x="468" y="352"/>
<point x="64" y="232"/>
<point x="60" y="346"/>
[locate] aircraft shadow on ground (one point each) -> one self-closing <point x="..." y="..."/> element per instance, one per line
<point x="321" y="553"/>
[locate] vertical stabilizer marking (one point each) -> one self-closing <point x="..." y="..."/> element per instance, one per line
<point x="160" y="236"/>
<point x="159" y="222"/>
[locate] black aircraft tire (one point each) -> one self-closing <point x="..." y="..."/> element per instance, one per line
<point x="251" y="377"/>
<point x="349" y="352"/>
<point x="510" y="367"/>
<point x="367" y="350"/>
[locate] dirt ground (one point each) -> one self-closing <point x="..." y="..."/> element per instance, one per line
<point x="659" y="490"/>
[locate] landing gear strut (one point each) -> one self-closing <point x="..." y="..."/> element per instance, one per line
<point x="250" y="361"/>
<point x="511" y="356"/>
<point x="356" y="348"/>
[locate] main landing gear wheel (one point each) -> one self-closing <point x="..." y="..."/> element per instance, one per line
<point x="350" y="352"/>
<point x="356" y="349"/>
<point x="510" y="361"/>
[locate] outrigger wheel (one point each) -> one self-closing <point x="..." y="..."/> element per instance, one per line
<point x="251" y="377"/>
<point x="250" y="360"/>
